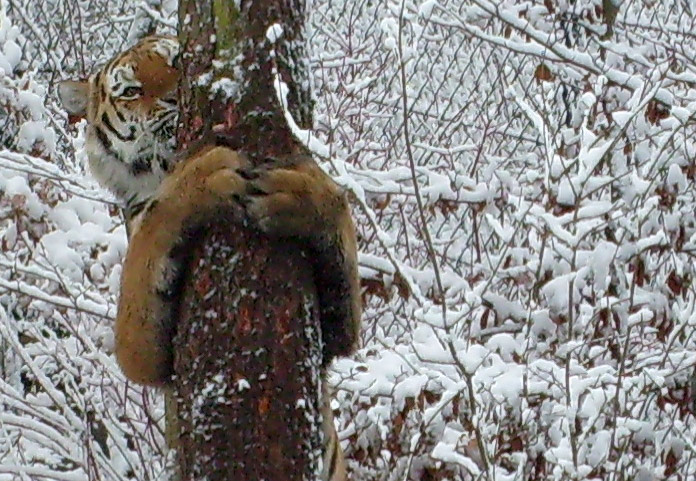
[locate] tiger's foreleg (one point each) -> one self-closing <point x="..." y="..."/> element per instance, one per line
<point x="294" y="197"/>
<point x="194" y="192"/>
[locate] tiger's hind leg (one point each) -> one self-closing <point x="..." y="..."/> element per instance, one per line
<point x="334" y="464"/>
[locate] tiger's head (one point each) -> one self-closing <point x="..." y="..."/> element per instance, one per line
<point x="131" y="112"/>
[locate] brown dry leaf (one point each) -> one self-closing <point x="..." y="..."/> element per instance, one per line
<point x="374" y="287"/>
<point x="656" y="111"/>
<point x="543" y="73"/>
<point x="445" y="206"/>
<point x="675" y="283"/>
<point x="671" y="463"/>
<point x="383" y="202"/>
<point x="471" y="449"/>
<point x="402" y="286"/>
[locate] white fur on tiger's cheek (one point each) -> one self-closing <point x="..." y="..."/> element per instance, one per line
<point x="116" y="174"/>
<point x="120" y="78"/>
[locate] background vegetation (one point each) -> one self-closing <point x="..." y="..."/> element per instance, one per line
<point x="522" y="178"/>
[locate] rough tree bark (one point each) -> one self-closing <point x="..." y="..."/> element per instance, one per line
<point x="248" y="347"/>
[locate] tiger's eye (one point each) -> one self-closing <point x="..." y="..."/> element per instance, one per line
<point x="132" y="92"/>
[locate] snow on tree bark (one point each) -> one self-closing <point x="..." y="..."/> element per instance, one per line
<point x="248" y="348"/>
<point x="247" y="361"/>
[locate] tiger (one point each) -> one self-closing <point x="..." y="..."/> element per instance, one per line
<point x="131" y="112"/>
<point x="130" y="107"/>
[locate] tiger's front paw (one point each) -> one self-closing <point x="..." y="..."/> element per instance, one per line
<point x="294" y="200"/>
<point x="205" y="183"/>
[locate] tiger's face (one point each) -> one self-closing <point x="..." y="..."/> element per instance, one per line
<point x="131" y="112"/>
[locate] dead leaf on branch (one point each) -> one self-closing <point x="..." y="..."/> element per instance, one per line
<point x="543" y="73"/>
<point x="676" y="284"/>
<point x="656" y="111"/>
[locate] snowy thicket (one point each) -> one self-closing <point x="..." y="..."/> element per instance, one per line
<point x="66" y="412"/>
<point x="522" y="178"/>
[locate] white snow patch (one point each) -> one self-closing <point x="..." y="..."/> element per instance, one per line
<point x="274" y="32"/>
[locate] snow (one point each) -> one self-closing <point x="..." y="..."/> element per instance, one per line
<point x="12" y="54"/>
<point x="242" y="385"/>
<point x="676" y="178"/>
<point x="548" y="319"/>
<point x="426" y="8"/>
<point x="274" y="32"/>
<point x="447" y="450"/>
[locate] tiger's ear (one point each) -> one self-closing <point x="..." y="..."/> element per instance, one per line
<point x="74" y="96"/>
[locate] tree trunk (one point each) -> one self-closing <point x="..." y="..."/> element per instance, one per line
<point x="248" y="346"/>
